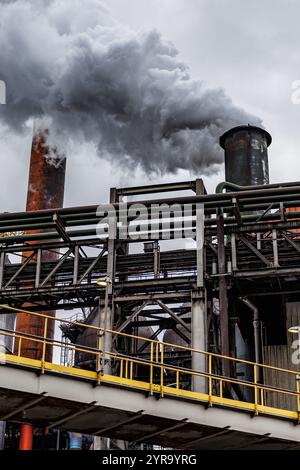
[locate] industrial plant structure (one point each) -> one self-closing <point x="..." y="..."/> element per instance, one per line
<point x="193" y="308"/>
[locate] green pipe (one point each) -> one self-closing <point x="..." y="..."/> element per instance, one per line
<point x="235" y="187"/>
<point x="95" y="220"/>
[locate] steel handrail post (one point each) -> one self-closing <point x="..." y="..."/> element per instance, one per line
<point x="44" y="345"/>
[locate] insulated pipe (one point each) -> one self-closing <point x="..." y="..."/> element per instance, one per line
<point x="211" y="200"/>
<point x="236" y="187"/>
<point x="26" y="437"/>
<point x="208" y="221"/>
<point x="84" y="218"/>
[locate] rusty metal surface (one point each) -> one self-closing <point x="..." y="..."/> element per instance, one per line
<point x="46" y="177"/>
<point x="246" y="155"/>
<point x="46" y="184"/>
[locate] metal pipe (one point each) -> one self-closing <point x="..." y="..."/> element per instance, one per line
<point x="208" y="221"/>
<point x="156" y="188"/>
<point x="256" y="328"/>
<point x="26" y="436"/>
<point x="199" y="341"/>
<point x="215" y="199"/>
<point x="223" y="296"/>
<point x="237" y="187"/>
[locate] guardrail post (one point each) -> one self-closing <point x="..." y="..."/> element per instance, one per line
<point x="19" y="346"/>
<point x="210" y="380"/>
<point x="161" y="369"/>
<point x="44" y="345"/>
<point x="298" y="396"/>
<point x="151" y="368"/>
<point x="99" y="368"/>
<point x="255" y="390"/>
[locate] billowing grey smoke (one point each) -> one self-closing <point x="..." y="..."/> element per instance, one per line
<point x="70" y="63"/>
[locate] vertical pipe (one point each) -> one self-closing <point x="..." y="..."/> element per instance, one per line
<point x="257" y="329"/>
<point x="45" y="191"/>
<point x="223" y="297"/>
<point x="199" y="363"/>
<point x="275" y="248"/>
<point x="108" y="303"/>
<point x="26" y="437"/>
<point x="198" y="302"/>
<point x="258" y="343"/>
<point x="257" y="339"/>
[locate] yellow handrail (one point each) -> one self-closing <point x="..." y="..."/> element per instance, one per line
<point x="155" y="366"/>
<point x="177" y="346"/>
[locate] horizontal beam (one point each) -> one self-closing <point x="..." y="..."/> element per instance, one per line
<point x="170" y="295"/>
<point x="157" y="188"/>
<point x="24" y="407"/>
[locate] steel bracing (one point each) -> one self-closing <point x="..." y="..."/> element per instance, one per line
<point x="250" y="249"/>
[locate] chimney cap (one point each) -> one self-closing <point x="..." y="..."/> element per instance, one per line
<point x="244" y="128"/>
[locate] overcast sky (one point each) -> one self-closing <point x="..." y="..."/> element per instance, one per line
<point x="250" y="48"/>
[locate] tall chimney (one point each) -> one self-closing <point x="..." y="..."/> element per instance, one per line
<point x="246" y="155"/>
<point x="45" y="191"/>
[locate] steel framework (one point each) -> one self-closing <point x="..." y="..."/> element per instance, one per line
<point x="250" y="249"/>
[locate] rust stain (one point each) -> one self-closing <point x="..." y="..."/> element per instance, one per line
<point x="293" y="209"/>
<point x="45" y="191"/>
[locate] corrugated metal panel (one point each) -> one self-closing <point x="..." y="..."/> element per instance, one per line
<point x="281" y="356"/>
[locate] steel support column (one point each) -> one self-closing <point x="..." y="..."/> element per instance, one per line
<point x="223" y="297"/>
<point x="107" y="316"/>
<point x="199" y="362"/>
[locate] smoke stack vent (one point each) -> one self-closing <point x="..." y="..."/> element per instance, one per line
<point x="45" y="191"/>
<point x="46" y="176"/>
<point x="246" y="155"/>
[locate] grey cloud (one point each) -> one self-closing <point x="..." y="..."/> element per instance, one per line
<point x="72" y="67"/>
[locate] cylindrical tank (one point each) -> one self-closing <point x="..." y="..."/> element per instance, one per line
<point x="45" y="191"/>
<point x="88" y="338"/>
<point x="246" y="155"/>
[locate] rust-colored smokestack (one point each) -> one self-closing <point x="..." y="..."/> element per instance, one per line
<point x="46" y="182"/>
<point x="45" y="191"/>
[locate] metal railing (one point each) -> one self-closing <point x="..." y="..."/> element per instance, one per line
<point x="154" y="370"/>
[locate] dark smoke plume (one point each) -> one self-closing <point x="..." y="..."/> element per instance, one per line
<point x="69" y="65"/>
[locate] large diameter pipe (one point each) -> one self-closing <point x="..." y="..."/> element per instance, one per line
<point x="26" y="437"/>
<point x="45" y="192"/>
<point x="199" y="334"/>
